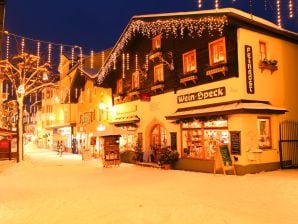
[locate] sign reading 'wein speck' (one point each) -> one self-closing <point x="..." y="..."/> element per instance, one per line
<point x="202" y="95"/>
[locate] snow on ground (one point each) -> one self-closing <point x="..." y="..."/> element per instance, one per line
<point x="46" y="188"/>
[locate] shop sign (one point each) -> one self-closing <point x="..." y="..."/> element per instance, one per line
<point x="250" y="86"/>
<point x="202" y="95"/>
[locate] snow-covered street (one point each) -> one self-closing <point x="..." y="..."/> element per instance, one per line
<point x="46" y="188"/>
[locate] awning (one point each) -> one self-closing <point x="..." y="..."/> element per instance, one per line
<point x="112" y="130"/>
<point x="235" y="107"/>
<point x="125" y="120"/>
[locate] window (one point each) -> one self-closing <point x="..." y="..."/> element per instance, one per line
<point x="158" y="73"/>
<point x="263" y="50"/>
<point x="156" y="42"/>
<point x="189" y="62"/>
<point x="119" y="88"/>
<point x="135" y="80"/>
<point x="264" y="132"/>
<point x="217" y="51"/>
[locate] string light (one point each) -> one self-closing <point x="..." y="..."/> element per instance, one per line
<point x="81" y="60"/>
<point x="127" y="61"/>
<point x="72" y="56"/>
<point x="22" y="46"/>
<point x="147" y="62"/>
<point x="265" y="5"/>
<point x="137" y="62"/>
<point x="175" y="27"/>
<point x="278" y="13"/>
<point x="123" y="65"/>
<point x="38" y="53"/>
<point x="291" y="15"/>
<point x="199" y="4"/>
<point x="102" y="58"/>
<point x="92" y="59"/>
<point x="49" y="53"/>
<point x="7" y="45"/>
<point x="216" y="4"/>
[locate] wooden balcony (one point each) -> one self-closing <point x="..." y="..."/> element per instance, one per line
<point x="216" y="70"/>
<point x="189" y="78"/>
<point x="157" y="87"/>
<point x="271" y="67"/>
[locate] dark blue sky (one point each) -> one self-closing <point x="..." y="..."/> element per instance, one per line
<point x="97" y="24"/>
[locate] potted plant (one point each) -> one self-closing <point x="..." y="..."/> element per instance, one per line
<point x="168" y="157"/>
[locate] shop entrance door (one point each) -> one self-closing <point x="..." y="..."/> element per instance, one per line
<point x="288" y="144"/>
<point x="158" y="141"/>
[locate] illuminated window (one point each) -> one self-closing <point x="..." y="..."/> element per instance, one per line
<point x="156" y="42"/>
<point x="263" y="50"/>
<point x="264" y="132"/>
<point x="119" y="88"/>
<point x="158" y="73"/>
<point x="189" y="62"/>
<point x="135" y="80"/>
<point x="217" y="51"/>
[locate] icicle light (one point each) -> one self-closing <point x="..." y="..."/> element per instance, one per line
<point x="115" y="61"/>
<point x="123" y="65"/>
<point x="278" y="13"/>
<point x="76" y="93"/>
<point x="147" y="62"/>
<point x="216" y="4"/>
<point x="211" y="25"/>
<point x="38" y="53"/>
<point x="199" y="4"/>
<point x="72" y="56"/>
<point x="291" y="14"/>
<point x="102" y="58"/>
<point x="127" y="61"/>
<point x="7" y="46"/>
<point x="92" y="59"/>
<point x="22" y="45"/>
<point x="49" y="53"/>
<point x="81" y="60"/>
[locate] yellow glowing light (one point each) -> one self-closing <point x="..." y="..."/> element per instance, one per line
<point x="22" y="45"/>
<point x="291" y="14"/>
<point x="7" y="45"/>
<point x="216" y="4"/>
<point x="123" y="65"/>
<point x="278" y="13"/>
<point x="92" y="59"/>
<point x="199" y="4"/>
<point x="38" y="52"/>
<point x="49" y="52"/>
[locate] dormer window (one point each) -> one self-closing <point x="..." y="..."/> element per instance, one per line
<point x="156" y="42"/>
<point x="217" y="52"/>
<point x="158" y="73"/>
<point x="189" y="62"/>
<point x="119" y="87"/>
<point x="135" y="80"/>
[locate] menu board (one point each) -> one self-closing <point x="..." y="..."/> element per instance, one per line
<point x="235" y="142"/>
<point x="225" y="155"/>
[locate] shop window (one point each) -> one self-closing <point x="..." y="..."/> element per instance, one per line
<point x="263" y="50"/>
<point x="159" y="137"/>
<point x="200" y="139"/>
<point x="119" y="88"/>
<point x="158" y="73"/>
<point x="189" y="62"/>
<point x="135" y="82"/>
<point x="156" y="42"/>
<point x="264" y="132"/>
<point x="217" y="52"/>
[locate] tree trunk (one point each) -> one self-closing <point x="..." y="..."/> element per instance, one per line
<point x="20" y="156"/>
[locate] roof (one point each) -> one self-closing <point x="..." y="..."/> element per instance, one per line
<point x="213" y="18"/>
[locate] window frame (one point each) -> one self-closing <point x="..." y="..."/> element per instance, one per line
<point x="156" y="42"/>
<point x="267" y="128"/>
<point x="263" y="50"/>
<point x="119" y="86"/>
<point x="186" y="55"/>
<point x="135" y="80"/>
<point x="211" y="47"/>
<point x="156" y="77"/>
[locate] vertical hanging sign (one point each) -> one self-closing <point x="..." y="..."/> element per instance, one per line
<point x="250" y="83"/>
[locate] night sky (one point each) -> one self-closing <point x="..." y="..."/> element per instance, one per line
<point x="97" y="24"/>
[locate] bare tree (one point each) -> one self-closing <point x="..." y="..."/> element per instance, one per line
<point x="26" y="75"/>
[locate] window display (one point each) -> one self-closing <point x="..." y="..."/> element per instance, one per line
<point x="200" y="139"/>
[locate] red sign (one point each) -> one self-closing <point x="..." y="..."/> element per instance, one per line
<point x="145" y="97"/>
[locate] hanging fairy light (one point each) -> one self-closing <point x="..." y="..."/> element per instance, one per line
<point x="278" y="13"/>
<point x="72" y="56"/>
<point x="115" y="61"/>
<point x="291" y="14"/>
<point x="92" y="59"/>
<point x="22" y="45"/>
<point x="7" y="45"/>
<point x="147" y="62"/>
<point x="81" y="60"/>
<point x="49" y="53"/>
<point x="123" y="65"/>
<point x="199" y="4"/>
<point x="216" y="4"/>
<point x="76" y="93"/>
<point x="127" y="61"/>
<point x="38" y="53"/>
